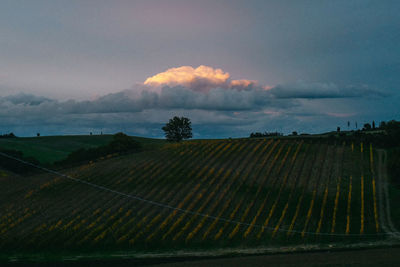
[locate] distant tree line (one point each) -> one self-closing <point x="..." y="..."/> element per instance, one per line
<point x="9" y="135"/>
<point x="121" y="144"/>
<point x="265" y="134"/>
<point x="386" y="136"/>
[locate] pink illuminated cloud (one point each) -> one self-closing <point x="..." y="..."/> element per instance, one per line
<point x="200" y="79"/>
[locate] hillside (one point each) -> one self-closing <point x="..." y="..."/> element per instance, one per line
<point x="49" y="149"/>
<point x="202" y="194"/>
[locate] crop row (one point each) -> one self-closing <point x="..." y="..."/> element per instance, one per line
<point x="214" y="192"/>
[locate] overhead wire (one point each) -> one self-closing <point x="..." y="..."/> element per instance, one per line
<point x="163" y="205"/>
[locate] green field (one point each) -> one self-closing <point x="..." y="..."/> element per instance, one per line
<point x="49" y="149"/>
<point x="204" y="194"/>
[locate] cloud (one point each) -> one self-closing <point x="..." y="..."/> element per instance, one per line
<point x="217" y="105"/>
<point x="26" y="99"/>
<point x="206" y="80"/>
<point x="130" y="101"/>
<point x="323" y="90"/>
<point x="200" y="79"/>
<point x="218" y="99"/>
<point x="276" y="100"/>
<point x="218" y="113"/>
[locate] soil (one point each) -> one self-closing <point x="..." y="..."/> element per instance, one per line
<point x="370" y="257"/>
<point x="367" y="257"/>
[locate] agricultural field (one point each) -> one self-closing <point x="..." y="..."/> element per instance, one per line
<point x="202" y="195"/>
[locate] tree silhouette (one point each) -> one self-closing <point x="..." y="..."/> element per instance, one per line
<point x="177" y="129"/>
<point x="367" y="127"/>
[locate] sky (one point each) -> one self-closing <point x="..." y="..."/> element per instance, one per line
<point x="232" y="67"/>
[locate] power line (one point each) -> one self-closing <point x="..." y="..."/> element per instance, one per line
<point x="162" y="205"/>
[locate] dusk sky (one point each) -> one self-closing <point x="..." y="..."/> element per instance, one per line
<point x="232" y="67"/>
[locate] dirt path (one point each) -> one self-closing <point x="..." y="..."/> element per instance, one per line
<point x="383" y="196"/>
<point x="369" y="257"/>
<point x="388" y="256"/>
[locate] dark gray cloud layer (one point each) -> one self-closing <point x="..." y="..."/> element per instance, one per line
<point x="217" y="99"/>
<point x="217" y="113"/>
<point x="324" y="90"/>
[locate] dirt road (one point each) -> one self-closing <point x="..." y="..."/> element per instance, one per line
<point x="370" y="257"/>
<point x="383" y="196"/>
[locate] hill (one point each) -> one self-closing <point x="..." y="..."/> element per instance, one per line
<point x="203" y="195"/>
<point x="49" y="149"/>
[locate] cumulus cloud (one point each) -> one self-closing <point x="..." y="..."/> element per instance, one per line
<point x="200" y="79"/>
<point x="208" y="96"/>
<point x="205" y="79"/>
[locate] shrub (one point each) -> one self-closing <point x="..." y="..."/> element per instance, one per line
<point x="16" y="166"/>
<point x="10" y="135"/>
<point x="265" y="134"/>
<point x="121" y="144"/>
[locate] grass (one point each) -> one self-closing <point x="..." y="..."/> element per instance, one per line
<point x="49" y="149"/>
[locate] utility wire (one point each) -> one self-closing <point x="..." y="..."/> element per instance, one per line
<point x="162" y="205"/>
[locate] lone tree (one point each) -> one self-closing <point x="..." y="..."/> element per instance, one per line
<point x="177" y="129"/>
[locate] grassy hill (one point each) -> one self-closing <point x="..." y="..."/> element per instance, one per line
<point x="49" y="149"/>
<point x="202" y="194"/>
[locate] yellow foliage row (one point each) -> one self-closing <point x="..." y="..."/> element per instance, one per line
<point x="290" y="195"/>
<point x="12" y="222"/>
<point x="214" y="205"/>
<point x="50" y="183"/>
<point x="140" y="224"/>
<point x="150" y="225"/>
<point x="309" y="212"/>
<point x="40" y="227"/>
<point x="249" y="228"/>
<point x="375" y="208"/>
<point x="70" y="223"/>
<point x="336" y="205"/>
<point x="222" y="210"/>
<point x="100" y="236"/>
<point x="190" y="194"/>
<point x="152" y="222"/>
<point x="280" y="219"/>
<point x="362" y="205"/>
<point x="236" y="229"/>
<point x="261" y="208"/>
<point x="192" y="204"/>
<point x="371" y="157"/>
<point x="77" y="226"/>
<point x="272" y="210"/>
<point x="233" y="213"/>
<point x="349" y="207"/>
<point x="150" y="194"/>
<point x="123" y="229"/>
<point x="29" y="194"/>
<point x="147" y="228"/>
<point x="321" y="216"/>
<point x="105" y="216"/>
